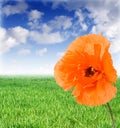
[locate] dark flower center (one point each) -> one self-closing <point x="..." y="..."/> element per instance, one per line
<point x="90" y="71"/>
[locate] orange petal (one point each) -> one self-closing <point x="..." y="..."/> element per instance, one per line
<point x="65" y="71"/>
<point x="62" y="79"/>
<point x="100" y="94"/>
<point x="86" y="44"/>
<point x="110" y="72"/>
<point x="77" y="90"/>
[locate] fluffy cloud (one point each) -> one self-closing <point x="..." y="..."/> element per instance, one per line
<point x="67" y="4"/>
<point x="46" y="38"/>
<point x="20" y="7"/>
<point x="45" y="28"/>
<point x="55" y="24"/>
<point x="81" y="19"/>
<point x="35" y="15"/>
<point x="19" y="33"/>
<point x="24" y="51"/>
<point x="79" y="14"/>
<point x="61" y="22"/>
<point x="41" y="52"/>
<point x="12" y="37"/>
<point x="34" y="24"/>
<point x="6" y="41"/>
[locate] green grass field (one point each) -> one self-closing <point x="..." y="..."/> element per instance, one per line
<point x="38" y="102"/>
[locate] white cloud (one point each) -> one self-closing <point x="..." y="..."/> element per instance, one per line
<point x="81" y="19"/>
<point x="34" y="24"/>
<point x="45" y="28"/>
<point x="12" y="37"/>
<point x="20" y="7"/>
<point x="57" y="23"/>
<point x="55" y="3"/>
<point x="53" y="31"/>
<point x="19" y="33"/>
<point x="68" y="4"/>
<point x="61" y="22"/>
<point x="46" y="38"/>
<point x="79" y="14"/>
<point x="41" y="52"/>
<point x="24" y="51"/>
<point x="35" y="15"/>
<point x="6" y="41"/>
<point x="84" y="26"/>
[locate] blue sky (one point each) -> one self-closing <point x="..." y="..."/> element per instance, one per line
<point x="35" y="33"/>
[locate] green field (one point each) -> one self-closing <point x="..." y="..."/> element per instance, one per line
<point x="38" y="102"/>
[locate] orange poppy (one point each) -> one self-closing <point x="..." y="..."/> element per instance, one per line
<point x="87" y="66"/>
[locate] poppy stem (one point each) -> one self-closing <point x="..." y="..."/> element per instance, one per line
<point x="111" y="114"/>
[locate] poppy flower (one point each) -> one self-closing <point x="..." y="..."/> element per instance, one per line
<point x="88" y="68"/>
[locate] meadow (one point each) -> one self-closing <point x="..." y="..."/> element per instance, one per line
<point x="38" y="102"/>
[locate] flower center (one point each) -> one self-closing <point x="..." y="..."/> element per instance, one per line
<point x="90" y="71"/>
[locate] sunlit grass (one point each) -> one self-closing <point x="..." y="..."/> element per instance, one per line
<point x="38" y="102"/>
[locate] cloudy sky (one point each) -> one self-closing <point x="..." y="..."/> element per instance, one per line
<point x="35" y="33"/>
